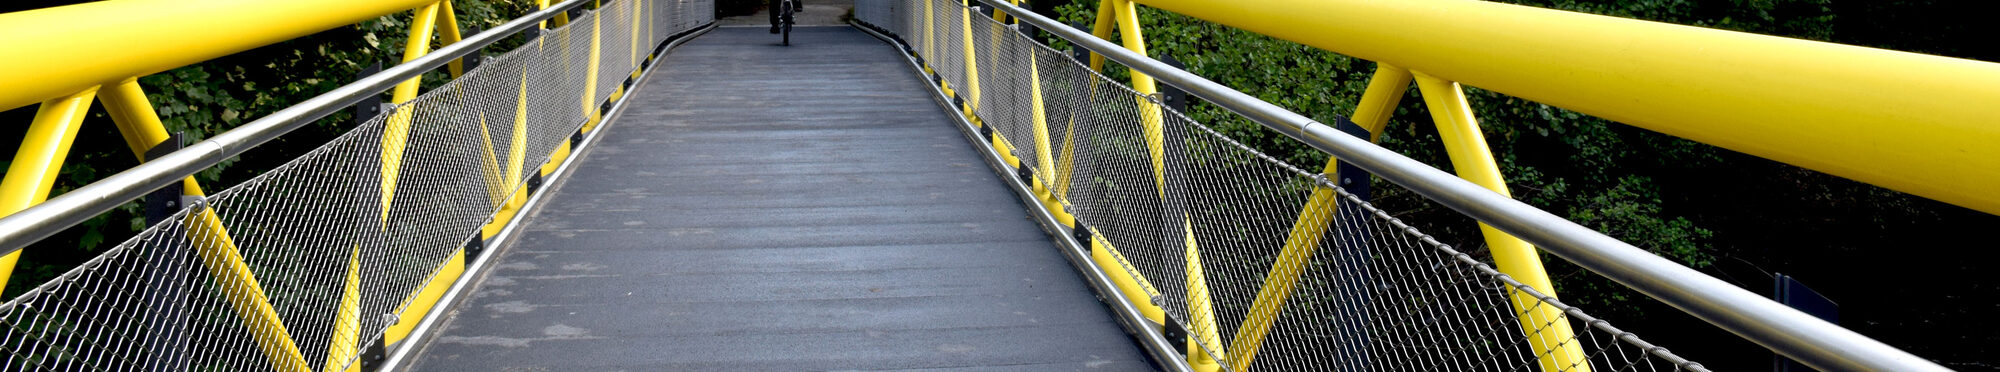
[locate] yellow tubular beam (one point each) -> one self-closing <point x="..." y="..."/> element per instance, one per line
<point x="347" y="319"/>
<point x="102" y="43"/>
<point x="516" y="158"/>
<point x="539" y="5"/>
<point x="489" y="166"/>
<point x="1915" y="123"/>
<point x="1106" y="14"/>
<point x="971" y="64"/>
<point x="1135" y="287"/>
<point x="1201" y="323"/>
<point x="929" y="50"/>
<point x="40" y="157"/>
<point x="397" y="131"/>
<point x="418" y="304"/>
<point x="556" y="158"/>
<point x="590" y="80"/>
<point x="636" y="22"/>
<point x="1547" y="329"/>
<point x="1045" y="162"/>
<point x="140" y="126"/>
<point x="447" y="32"/>
<point x="1377" y="104"/>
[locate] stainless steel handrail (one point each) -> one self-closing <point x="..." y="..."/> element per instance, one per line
<point x="42" y="220"/>
<point x="1782" y="329"/>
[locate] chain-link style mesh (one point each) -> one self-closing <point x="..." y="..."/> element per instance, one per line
<point x="1297" y="273"/>
<point x="306" y="265"/>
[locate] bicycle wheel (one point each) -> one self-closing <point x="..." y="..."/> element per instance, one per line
<point x="785" y="19"/>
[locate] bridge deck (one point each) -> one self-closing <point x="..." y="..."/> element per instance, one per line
<point x="760" y="207"/>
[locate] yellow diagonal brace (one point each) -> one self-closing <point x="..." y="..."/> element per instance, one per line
<point x="971" y="63"/>
<point x="40" y="156"/>
<point x="516" y="157"/>
<point x="1377" y="104"/>
<point x="447" y="33"/>
<point x="1201" y="328"/>
<point x="346" y="320"/>
<point x="590" y="76"/>
<point x="1547" y="329"/>
<point x="141" y="128"/>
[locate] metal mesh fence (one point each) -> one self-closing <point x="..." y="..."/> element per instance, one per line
<point x="306" y="265"/>
<point x="1266" y="265"/>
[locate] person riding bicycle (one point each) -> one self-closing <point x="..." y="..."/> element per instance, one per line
<point x="799" y="6"/>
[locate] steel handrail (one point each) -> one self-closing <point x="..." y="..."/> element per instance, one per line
<point x="1782" y="329"/>
<point x="40" y="221"/>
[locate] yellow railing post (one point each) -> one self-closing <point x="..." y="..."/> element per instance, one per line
<point x="1377" y="104"/>
<point x="1547" y="329"/>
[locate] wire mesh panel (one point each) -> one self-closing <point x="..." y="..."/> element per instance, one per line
<point x="1267" y="266"/>
<point x="304" y="266"/>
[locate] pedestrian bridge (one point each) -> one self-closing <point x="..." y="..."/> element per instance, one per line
<point x="630" y="187"/>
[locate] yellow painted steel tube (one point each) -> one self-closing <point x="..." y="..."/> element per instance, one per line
<point x="1377" y="104"/>
<point x="80" y="46"/>
<point x="396" y="131"/>
<point x="33" y="171"/>
<point x="1915" y="123"/>
<point x="420" y="303"/>
<point x="347" y="319"/>
<point x="1045" y="162"/>
<point x="516" y="159"/>
<point x="489" y="167"/>
<point x="447" y="33"/>
<point x="1131" y="284"/>
<point x="1202" y="328"/>
<point x="1106" y="14"/>
<point x="591" y="115"/>
<point x="637" y="21"/>
<point x="141" y="128"/>
<point x="971" y="64"/>
<point x="1546" y="328"/>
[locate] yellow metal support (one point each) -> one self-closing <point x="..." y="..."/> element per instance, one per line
<point x="1134" y="287"/>
<point x="636" y="22"/>
<point x="1915" y="123"/>
<point x="1547" y="329"/>
<point x="1201" y="323"/>
<point x="1107" y="15"/>
<point x="420" y="303"/>
<point x="971" y="65"/>
<point x="930" y="51"/>
<point x="141" y="128"/>
<point x="591" y="115"/>
<point x="40" y="157"/>
<point x="447" y="32"/>
<point x="102" y="43"/>
<point x="1378" y="103"/>
<point x="516" y="159"/>
<point x="1045" y="163"/>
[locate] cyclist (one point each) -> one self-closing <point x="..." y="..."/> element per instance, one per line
<point x="798" y="6"/>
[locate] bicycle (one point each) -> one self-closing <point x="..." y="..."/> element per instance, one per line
<point x="786" y="8"/>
